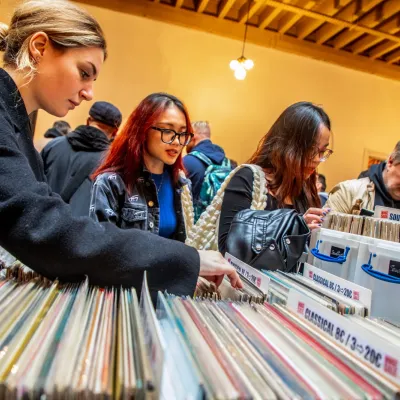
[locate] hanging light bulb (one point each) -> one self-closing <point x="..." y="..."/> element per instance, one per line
<point x="242" y="64"/>
<point x="248" y="64"/>
<point x="240" y="73"/>
<point x="234" y="64"/>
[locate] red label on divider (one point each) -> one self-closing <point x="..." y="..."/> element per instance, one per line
<point x="300" y="308"/>
<point x="384" y="214"/>
<point x="390" y="365"/>
<point x="356" y="295"/>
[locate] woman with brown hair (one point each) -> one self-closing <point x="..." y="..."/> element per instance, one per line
<point x="289" y="155"/>
<point x="285" y="162"/>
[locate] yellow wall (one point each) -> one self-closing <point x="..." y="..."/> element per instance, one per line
<point x="147" y="56"/>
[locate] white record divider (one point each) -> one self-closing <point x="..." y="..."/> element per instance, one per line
<point x="256" y="277"/>
<point x="392" y="214"/>
<point x="339" y="285"/>
<point x="376" y="351"/>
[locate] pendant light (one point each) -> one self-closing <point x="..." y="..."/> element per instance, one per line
<point x="242" y="64"/>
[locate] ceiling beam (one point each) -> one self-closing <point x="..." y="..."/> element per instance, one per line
<point x="231" y="29"/>
<point x="268" y="16"/>
<point x="202" y="5"/>
<point x="371" y="20"/>
<point x="348" y="14"/>
<point x="393" y="57"/>
<point x="288" y="20"/>
<point x="382" y="49"/>
<point x="333" y="20"/>
<point x="253" y="9"/>
<point x="224" y="7"/>
<point x="308" y="25"/>
<point x="391" y="27"/>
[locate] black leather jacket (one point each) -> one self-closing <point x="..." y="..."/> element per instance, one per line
<point x="110" y="201"/>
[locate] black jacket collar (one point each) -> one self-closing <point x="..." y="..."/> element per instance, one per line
<point x="10" y="95"/>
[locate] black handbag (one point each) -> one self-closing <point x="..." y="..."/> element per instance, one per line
<point x="268" y="240"/>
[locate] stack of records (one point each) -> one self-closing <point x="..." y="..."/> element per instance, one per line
<point x="249" y="293"/>
<point x="71" y="341"/>
<point x="238" y="350"/>
<point x="281" y="283"/>
<point x="379" y="228"/>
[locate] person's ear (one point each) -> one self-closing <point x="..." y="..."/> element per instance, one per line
<point x="38" y="45"/>
<point x="88" y="121"/>
<point x="390" y="162"/>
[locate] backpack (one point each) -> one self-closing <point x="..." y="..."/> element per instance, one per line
<point x="214" y="176"/>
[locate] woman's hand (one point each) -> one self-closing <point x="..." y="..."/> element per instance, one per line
<point x="314" y="217"/>
<point x="213" y="267"/>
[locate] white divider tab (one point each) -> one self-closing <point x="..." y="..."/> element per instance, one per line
<point x="369" y="347"/>
<point x="251" y="274"/>
<point x="392" y="214"/>
<point x="338" y="285"/>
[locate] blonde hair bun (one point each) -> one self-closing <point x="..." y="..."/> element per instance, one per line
<point x="3" y="36"/>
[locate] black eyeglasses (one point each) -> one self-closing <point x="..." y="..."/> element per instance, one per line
<point x="169" y="135"/>
<point x="323" y="155"/>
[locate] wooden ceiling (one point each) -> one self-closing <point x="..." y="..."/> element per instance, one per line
<point x="358" y="34"/>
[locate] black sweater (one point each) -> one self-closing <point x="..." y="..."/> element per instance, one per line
<point x="37" y="227"/>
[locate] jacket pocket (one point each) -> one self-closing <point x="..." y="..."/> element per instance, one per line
<point x="134" y="217"/>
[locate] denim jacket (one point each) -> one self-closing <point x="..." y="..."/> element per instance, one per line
<point x="110" y="201"/>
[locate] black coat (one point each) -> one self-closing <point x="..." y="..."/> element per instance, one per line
<point x="37" y="226"/>
<point x="70" y="160"/>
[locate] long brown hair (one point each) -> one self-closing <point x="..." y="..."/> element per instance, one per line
<point x="286" y="150"/>
<point x="125" y="155"/>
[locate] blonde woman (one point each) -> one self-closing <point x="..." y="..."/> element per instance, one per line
<point x="53" y="53"/>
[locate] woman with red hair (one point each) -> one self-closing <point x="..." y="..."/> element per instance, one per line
<point x="140" y="184"/>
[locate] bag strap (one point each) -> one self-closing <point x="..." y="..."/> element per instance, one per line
<point x="187" y="206"/>
<point x="202" y="157"/>
<point x="204" y="235"/>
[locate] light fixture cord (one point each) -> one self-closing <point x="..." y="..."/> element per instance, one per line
<point x="245" y="29"/>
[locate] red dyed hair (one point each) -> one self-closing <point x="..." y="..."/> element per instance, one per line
<point x="125" y="155"/>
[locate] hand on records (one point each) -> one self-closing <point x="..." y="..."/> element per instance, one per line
<point x="314" y="217"/>
<point x="214" y="267"/>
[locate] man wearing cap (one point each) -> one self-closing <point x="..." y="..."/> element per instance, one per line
<point x="70" y="160"/>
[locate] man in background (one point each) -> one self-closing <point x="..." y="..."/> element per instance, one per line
<point x="321" y="187"/>
<point x="70" y="160"/>
<point x="206" y="166"/>
<point x="59" y="128"/>
<point x="381" y="187"/>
